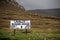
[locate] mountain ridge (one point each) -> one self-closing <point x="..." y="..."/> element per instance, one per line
<point x="50" y="12"/>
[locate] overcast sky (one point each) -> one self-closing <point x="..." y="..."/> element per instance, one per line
<point x="39" y="4"/>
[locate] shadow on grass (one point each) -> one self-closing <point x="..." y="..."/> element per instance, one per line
<point x="4" y="38"/>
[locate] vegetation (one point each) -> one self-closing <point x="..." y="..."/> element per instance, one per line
<point x="42" y="27"/>
<point x="9" y="35"/>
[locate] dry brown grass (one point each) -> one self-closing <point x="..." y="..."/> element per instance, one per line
<point x="39" y="23"/>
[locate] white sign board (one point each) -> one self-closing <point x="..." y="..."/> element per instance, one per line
<point x="20" y="24"/>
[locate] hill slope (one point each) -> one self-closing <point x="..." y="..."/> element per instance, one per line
<point x="51" y="12"/>
<point x="10" y="11"/>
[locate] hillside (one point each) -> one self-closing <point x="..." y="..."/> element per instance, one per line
<point x="39" y="23"/>
<point x="51" y="12"/>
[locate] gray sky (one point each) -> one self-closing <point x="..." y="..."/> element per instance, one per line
<point x="39" y="4"/>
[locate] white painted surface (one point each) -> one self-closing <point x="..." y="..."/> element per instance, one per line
<point x="20" y="24"/>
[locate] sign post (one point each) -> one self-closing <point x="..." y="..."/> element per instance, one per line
<point x="14" y="32"/>
<point x="26" y="31"/>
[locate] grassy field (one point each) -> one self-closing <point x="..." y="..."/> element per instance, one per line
<point x="9" y="35"/>
<point x="42" y="27"/>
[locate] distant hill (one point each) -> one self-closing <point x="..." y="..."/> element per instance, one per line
<point x="49" y="12"/>
<point x="39" y="23"/>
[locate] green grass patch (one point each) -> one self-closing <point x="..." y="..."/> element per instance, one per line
<point x="5" y="35"/>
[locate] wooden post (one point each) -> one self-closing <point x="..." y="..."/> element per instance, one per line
<point x="26" y="31"/>
<point x="14" y="32"/>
